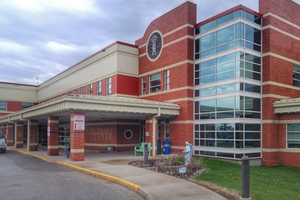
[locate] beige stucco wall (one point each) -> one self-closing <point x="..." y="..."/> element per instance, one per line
<point x="17" y="92"/>
<point x="118" y="58"/>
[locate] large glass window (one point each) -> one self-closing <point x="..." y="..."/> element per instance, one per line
<point x="293" y="136"/>
<point x="99" y="88"/>
<point x="90" y="89"/>
<point x="144" y="85"/>
<point x="82" y="90"/>
<point x="26" y="105"/>
<point x="155" y="83"/>
<point x="228" y="135"/>
<point x="296" y="76"/>
<point x="238" y="35"/>
<point x="167" y="79"/>
<point x="227" y="18"/>
<point x="108" y="86"/>
<point x="229" y="66"/>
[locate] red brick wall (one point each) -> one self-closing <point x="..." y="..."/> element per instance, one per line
<point x="181" y="76"/>
<point x="278" y="70"/>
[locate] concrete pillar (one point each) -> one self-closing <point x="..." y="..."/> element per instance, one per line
<point x="77" y="136"/>
<point x="151" y="129"/>
<point x="19" y="129"/>
<point x="10" y="134"/>
<point x="53" y="136"/>
<point x="33" y="135"/>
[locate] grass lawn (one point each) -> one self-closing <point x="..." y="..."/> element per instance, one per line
<point x="266" y="183"/>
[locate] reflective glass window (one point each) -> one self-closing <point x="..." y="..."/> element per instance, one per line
<point x="225" y="35"/>
<point x="252" y="88"/>
<point x="207" y="53"/>
<point x="252" y="104"/>
<point x="208" y="79"/>
<point x="239" y="13"/>
<point x="207" y="105"/>
<point x="253" y="34"/>
<point x="207" y="41"/>
<point x="226" y="67"/>
<point x="155" y="82"/>
<point x="252" y="58"/>
<point x="239" y="103"/>
<point x="225" y="104"/>
<point x="208" y="63"/>
<point x="252" y="75"/>
<point x="225" y="88"/>
<point x="252" y="67"/>
<point x="225" y="76"/>
<point x="253" y="18"/>
<point x="296" y="75"/>
<point x="239" y="31"/>
<point x="208" y="26"/>
<point x="225" y="59"/>
<point x="208" y="91"/>
<point x="208" y="71"/>
<point x="197" y="46"/>
<point x="225" y="47"/>
<point x="225" y="18"/>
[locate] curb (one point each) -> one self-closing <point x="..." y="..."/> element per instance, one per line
<point x="128" y="184"/>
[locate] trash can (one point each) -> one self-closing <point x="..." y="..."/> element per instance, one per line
<point x="167" y="147"/>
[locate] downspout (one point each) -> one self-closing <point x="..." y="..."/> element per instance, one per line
<point x="153" y="131"/>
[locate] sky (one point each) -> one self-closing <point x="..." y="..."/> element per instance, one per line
<point x="41" y="38"/>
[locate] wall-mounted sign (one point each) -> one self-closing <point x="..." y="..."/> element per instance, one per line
<point x="79" y="122"/>
<point x="147" y="134"/>
<point x="154" y="45"/>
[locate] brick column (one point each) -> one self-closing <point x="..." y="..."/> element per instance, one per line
<point x="53" y="136"/>
<point x="19" y="129"/>
<point x="33" y="135"/>
<point x="10" y="134"/>
<point x="77" y="134"/>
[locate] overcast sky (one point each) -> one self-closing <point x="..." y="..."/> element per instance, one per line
<point x="41" y="38"/>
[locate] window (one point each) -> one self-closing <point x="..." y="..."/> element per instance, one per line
<point x="108" y="86"/>
<point x="142" y="131"/>
<point x="26" y="105"/>
<point x="3" y="105"/>
<point x="296" y="76"/>
<point x="167" y="79"/>
<point x="167" y="134"/>
<point x="70" y="93"/>
<point x="82" y="90"/>
<point x="90" y="89"/>
<point x="293" y="136"/>
<point x="75" y="91"/>
<point x="99" y="88"/>
<point x="158" y="129"/>
<point x="154" y="83"/>
<point x="144" y="85"/>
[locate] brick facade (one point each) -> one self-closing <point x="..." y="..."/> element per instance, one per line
<point x="281" y="49"/>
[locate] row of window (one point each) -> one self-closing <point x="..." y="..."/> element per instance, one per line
<point x="230" y="66"/>
<point x="155" y="82"/>
<point x="99" y="88"/>
<point x="3" y="105"/>
<point x="228" y="107"/>
<point x="227" y="155"/>
<point x="227" y="88"/>
<point x="227" y="18"/>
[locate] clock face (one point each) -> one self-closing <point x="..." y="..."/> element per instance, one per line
<point x="154" y="45"/>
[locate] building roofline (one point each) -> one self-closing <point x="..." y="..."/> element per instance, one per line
<point x="100" y="51"/>
<point x="10" y="83"/>
<point x="227" y="12"/>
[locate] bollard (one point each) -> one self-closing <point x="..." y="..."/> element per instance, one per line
<point x="245" y="178"/>
<point x="146" y="154"/>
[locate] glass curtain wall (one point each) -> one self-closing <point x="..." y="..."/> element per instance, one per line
<point x="227" y="80"/>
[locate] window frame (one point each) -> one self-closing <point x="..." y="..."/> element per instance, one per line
<point x="99" y="90"/>
<point x="108" y="86"/>
<point x="90" y="89"/>
<point x="167" y="79"/>
<point x="295" y="140"/>
<point x="157" y="86"/>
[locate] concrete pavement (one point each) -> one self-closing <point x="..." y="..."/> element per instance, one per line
<point x="113" y="166"/>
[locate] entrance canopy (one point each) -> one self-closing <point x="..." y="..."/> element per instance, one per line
<point x="95" y="108"/>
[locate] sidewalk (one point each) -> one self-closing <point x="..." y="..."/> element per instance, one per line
<point x="113" y="166"/>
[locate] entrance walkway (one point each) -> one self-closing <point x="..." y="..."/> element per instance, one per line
<point x="113" y="166"/>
